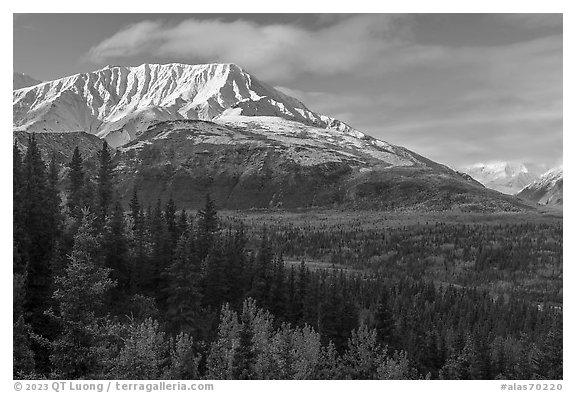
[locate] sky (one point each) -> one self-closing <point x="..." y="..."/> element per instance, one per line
<point x="457" y="88"/>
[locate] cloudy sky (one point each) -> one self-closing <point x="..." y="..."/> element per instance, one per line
<point x="458" y="88"/>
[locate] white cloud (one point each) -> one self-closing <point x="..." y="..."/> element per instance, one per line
<point x="449" y="102"/>
<point x="277" y="51"/>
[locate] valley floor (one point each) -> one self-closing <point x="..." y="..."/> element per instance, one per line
<point x="504" y="254"/>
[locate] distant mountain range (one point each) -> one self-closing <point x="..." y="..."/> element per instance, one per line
<point x="546" y="190"/>
<point x="185" y="130"/>
<point x="506" y="177"/>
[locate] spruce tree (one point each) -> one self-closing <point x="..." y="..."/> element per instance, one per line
<point x="104" y="182"/>
<point x="245" y="355"/>
<point x="363" y="355"/>
<point x="262" y="272"/>
<point x="171" y="227"/>
<point x="53" y="196"/>
<point x="115" y="249"/>
<point x="277" y="297"/>
<point x="384" y="322"/>
<point x="38" y="225"/>
<point x="140" y="269"/>
<point x="20" y="238"/>
<point x="80" y="295"/>
<point x="214" y="276"/>
<point x="183" y="287"/>
<point x="207" y="226"/>
<point x="220" y="361"/>
<point x="135" y="209"/>
<point x="76" y="184"/>
<point x="182" y="224"/>
<point x="235" y="264"/>
<point x="160" y="252"/>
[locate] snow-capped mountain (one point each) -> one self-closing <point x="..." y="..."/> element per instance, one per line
<point x="20" y="80"/>
<point x="506" y="177"/>
<point x="187" y="130"/>
<point x="547" y="190"/>
<point x="119" y="103"/>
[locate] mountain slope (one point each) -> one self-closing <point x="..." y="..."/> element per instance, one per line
<point x="61" y="145"/>
<point x="119" y="103"/>
<point x="547" y="190"/>
<point x="506" y="177"/>
<point x="262" y="162"/>
<point x="20" y="80"/>
<point x="184" y="131"/>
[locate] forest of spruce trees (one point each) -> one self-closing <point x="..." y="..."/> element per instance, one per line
<point x="106" y="291"/>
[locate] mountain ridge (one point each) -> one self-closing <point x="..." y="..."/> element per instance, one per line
<point x="187" y="130"/>
<point x="548" y="189"/>
<point x="119" y="103"/>
<point x="506" y="177"/>
<point x="290" y="166"/>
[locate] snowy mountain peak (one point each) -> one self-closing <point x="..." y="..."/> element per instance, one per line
<point x="549" y="178"/>
<point x="547" y="189"/>
<point x="503" y="176"/>
<point x="500" y="168"/>
<point x="119" y="103"/>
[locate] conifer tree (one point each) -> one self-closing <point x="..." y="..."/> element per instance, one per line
<point x="141" y="271"/>
<point x="19" y="213"/>
<point x="291" y="304"/>
<point x="104" y="182"/>
<point x="184" y="360"/>
<point x="214" y="276"/>
<point x="76" y="184"/>
<point x="384" y="322"/>
<point x="183" y="287"/>
<point x="363" y="355"/>
<point x="135" y="209"/>
<point x="171" y="227"/>
<point x="182" y="224"/>
<point x="245" y="355"/>
<point x="38" y="225"/>
<point x="80" y="297"/>
<point x="328" y="363"/>
<point x="53" y="197"/>
<point x="161" y="255"/>
<point x="116" y="248"/>
<point x="262" y="272"/>
<point x="277" y="300"/>
<point x="234" y="264"/>
<point x="337" y="316"/>
<point x="207" y="226"/>
<point x="145" y="354"/>
<point x="220" y="361"/>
